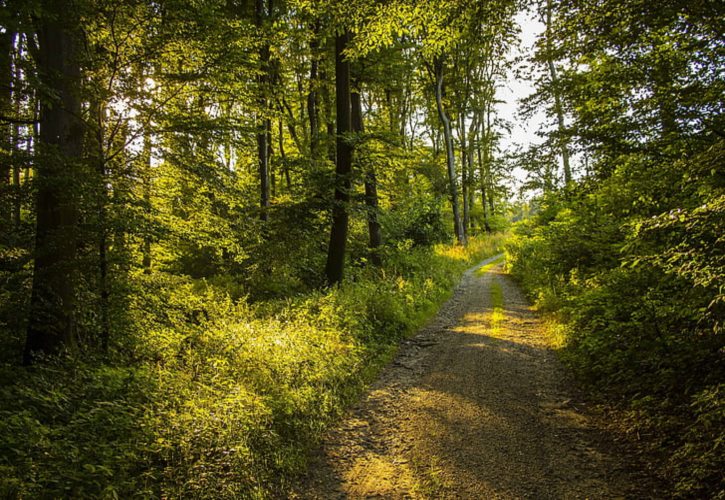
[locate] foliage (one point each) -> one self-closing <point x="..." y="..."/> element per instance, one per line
<point x="211" y="397"/>
<point x="421" y="223"/>
<point x="640" y="298"/>
<point x="629" y="258"/>
<point x="162" y="254"/>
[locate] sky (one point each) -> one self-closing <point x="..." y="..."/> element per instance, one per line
<point x="513" y="89"/>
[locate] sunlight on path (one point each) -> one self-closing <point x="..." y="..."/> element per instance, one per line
<point x="475" y="406"/>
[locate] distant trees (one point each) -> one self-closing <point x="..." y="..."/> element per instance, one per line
<point x="230" y="140"/>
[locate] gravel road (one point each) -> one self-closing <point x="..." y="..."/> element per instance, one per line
<point x="475" y="406"/>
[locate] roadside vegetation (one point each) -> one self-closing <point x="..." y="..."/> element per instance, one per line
<point x="219" y="217"/>
<point x="217" y="220"/>
<point x="628" y="257"/>
<point x="213" y="397"/>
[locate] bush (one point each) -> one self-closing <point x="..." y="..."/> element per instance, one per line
<point x="210" y="397"/>
<point x="636" y="283"/>
<point x="420" y="222"/>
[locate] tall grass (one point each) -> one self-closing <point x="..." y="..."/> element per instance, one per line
<point x="212" y="397"/>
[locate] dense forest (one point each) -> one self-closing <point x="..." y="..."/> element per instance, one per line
<point x="218" y="218"/>
<point x="628" y="254"/>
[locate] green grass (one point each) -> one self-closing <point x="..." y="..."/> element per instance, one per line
<point x="484" y="269"/>
<point x="497" y="313"/>
<point x="212" y="397"/>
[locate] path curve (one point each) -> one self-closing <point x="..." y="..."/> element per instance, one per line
<point x="474" y="406"/>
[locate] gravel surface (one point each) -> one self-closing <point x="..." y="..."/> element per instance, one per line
<point x="475" y="405"/>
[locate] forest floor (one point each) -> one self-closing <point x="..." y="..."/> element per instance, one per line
<point x="475" y="406"/>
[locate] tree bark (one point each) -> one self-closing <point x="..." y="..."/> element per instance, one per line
<point x="326" y="109"/>
<point x="482" y="180"/>
<point x="283" y="156"/>
<point x="450" y="158"/>
<point x="6" y="138"/>
<point x="313" y="97"/>
<point x="263" y="122"/>
<point x="464" y="172"/>
<point x="338" y="234"/>
<point x="472" y="133"/>
<point x="489" y="160"/>
<point x="558" y="107"/>
<point x="146" y="187"/>
<point x="371" y="185"/>
<point x="15" y="150"/>
<point x="51" y="325"/>
<point x="98" y="154"/>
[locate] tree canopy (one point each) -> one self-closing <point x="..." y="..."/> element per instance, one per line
<point x="218" y="217"/>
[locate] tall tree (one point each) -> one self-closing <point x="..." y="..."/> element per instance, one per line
<point x="52" y="304"/>
<point x="375" y="239"/>
<point x="343" y="165"/>
<point x="262" y="15"/>
<point x="438" y="67"/>
<point x="556" y="94"/>
<point x="313" y="95"/>
<point x="6" y="126"/>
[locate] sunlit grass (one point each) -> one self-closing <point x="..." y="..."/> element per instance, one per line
<point x="485" y="245"/>
<point x="497" y="312"/>
<point x="484" y="269"/>
<point x="223" y="399"/>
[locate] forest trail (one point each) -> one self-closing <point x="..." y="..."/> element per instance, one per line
<point x="475" y="406"/>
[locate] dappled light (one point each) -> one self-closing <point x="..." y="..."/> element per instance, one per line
<point x="479" y="412"/>
<point x="273" y="249"/>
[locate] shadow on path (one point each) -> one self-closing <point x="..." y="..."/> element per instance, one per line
<point x="475" y="406"/>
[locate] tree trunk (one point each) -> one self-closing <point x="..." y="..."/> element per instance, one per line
<point x="313" y="97"/>
<point x="472" y="132"/>
<point x="338" y="234"/>
<point x="391" y="113"/>
<point x="371" y="185"/>
<point x="51" y="325"/>
<point x="122" y="181"/>
<point x="283" y="157"/>
<point x="488" y="152"/>
<point x="17" y="184"/>
<point x="482" y="175"/>
<point x="146" y="187"/>
<point x="558" y="108"/>
<point x="450" y="158"/>
<point x="270" y="163"/>
<point x="15" y="145"/>
<point x="291" y="128"/>
<point x="326" y="109"/>
<point x="263" y="122"/>
<point x="97" y="110"/>
<point x="464" y="173"/>
<point x="35" y="138"/>
<point x="406" y="114"/>
<point x="6" y="136"/>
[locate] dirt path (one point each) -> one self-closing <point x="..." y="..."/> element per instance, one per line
<point x="475" y="406"/>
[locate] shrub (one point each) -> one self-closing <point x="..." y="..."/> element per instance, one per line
<point x="209" y="396"/>
<point x="636" y="283"/>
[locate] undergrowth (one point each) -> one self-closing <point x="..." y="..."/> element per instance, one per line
<point x="635" y="307"/>
<point x="209" y="396"/>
